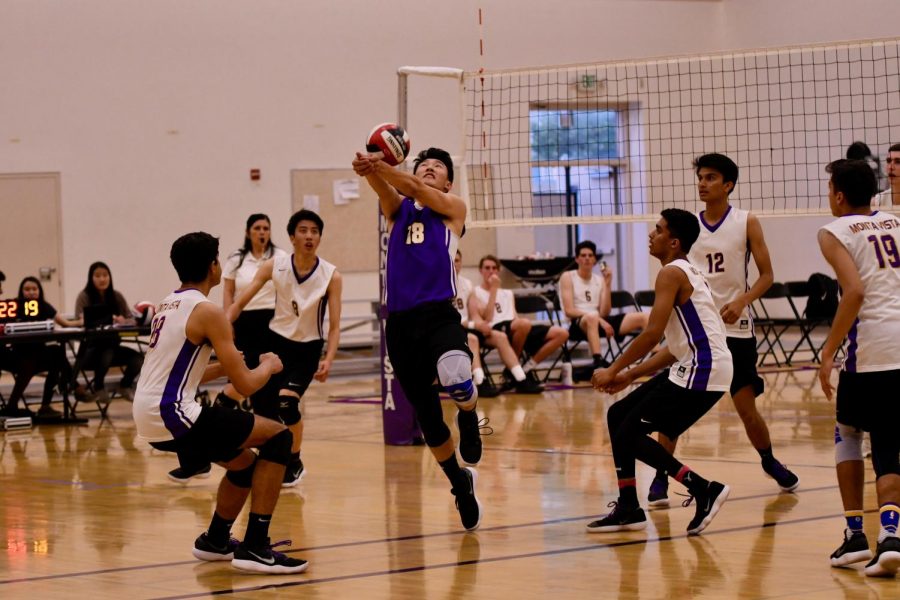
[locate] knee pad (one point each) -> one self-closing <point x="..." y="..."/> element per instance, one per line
<point x="885" y="453"/>
<point x="455" y="374"/>
<point x="278" y="448"/>
<point x="847" y="443"/>
<point x="289" y="410"/>
<point x="242" y="478"/>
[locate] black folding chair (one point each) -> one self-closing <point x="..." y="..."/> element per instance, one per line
<point x="645" y="298"/>
<point x="805" y="323"/>
<point x="622" y="301"/>
<point x="771" y="328"/>
<point x="536" y="304"/>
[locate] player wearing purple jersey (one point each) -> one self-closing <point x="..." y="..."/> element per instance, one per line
<point x="425" y="339"/>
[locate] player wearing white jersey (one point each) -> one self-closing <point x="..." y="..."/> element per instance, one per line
<point x="185" y="329"/>
<point x="676" y="398"/>
<point x="863" y="247"/>
<point x="587" y="301"/>
<point x="728" y="238"/>
<point x="305" y="284"/>
<point x="889" y="199"/>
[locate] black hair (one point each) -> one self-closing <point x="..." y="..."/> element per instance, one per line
<point x="586" y="244"/>
<point x="683" y="226"/>
<point x="436" y="154"/>
<point x="304" y="215"/>
<point x="42" y="304"/>
<point x="853" y="178"/>
<point x="2" y="276"/>
<point x="719" y="163"/>
<point x="248" y="243"/>
<point x="192" y="254"/>
<point x="93" y="294"/>
<point x="894" y="148"/>
<point x="858" y="151"/>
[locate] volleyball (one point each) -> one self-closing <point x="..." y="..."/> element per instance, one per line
<point x="391" y="141"/>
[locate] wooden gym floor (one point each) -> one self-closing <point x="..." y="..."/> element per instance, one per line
<point x="87" y="511"/>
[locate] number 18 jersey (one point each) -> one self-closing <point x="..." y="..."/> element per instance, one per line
<point x="873" y="242"/>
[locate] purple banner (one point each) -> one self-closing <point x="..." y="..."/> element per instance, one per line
<point x="397" y="414"/>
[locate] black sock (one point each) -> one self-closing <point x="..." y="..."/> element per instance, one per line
<point x="453" y="472"/>
<point x="695" y="484"/>
<point x="628" y="497"/>
<point x="257" y="530"/>
<point x="598" y="361"/>
<point x="295" y="457"/>
<point x="219" y="530"/>
<point x="468" y="418"/>
<point x="766" y="454"/>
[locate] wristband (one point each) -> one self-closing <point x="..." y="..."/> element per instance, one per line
<point x="471" y="324"/>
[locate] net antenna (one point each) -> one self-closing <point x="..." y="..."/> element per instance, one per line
<point x="613" y="142"/>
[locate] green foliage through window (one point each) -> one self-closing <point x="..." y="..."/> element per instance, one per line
<point x="573" y="134"/>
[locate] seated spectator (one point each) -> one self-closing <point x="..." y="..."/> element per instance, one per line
<point x="586" y="300"/>
<point x="29" y="359"/>
<point x="101" y="354"/>
<point x="480" y="332"/>
<point x="497" y="306"/>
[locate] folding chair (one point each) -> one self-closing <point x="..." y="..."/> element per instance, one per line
<point x="806" y="324"/>
<point x="645" y="298"/>
<point x="536" y="304"/>
<point x="621" y="302"/>
<point x="770" y="327"/>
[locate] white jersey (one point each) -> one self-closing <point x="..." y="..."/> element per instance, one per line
<point x="723" y="255"/>
<point x="586" y="294"/>
<point x="504" y="304"/>
<point x="461" y="301"/>
<point x="695" y="335"/>
<point x="164" y="402"/>
<point x="300" y="302"/>
<point x="884" y="201"/>
<point x="243" y="275"/>
<point x="873" y="242"/>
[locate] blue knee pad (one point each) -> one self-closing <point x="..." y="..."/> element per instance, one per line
<point x="242" y="478"/>
<point x="454" y="370"/>
<point x="289" y="410"/>
<point x="278" y="448"/>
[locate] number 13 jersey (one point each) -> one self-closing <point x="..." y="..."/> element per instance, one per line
<point x="721" y="253"/>
<point x="873" y="242"/>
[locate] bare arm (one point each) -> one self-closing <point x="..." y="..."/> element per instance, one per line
<point x="388" y="197"/>
<point x="263" y="275"/>
<point x="732" y="311"/>
<point x="334" y="326"/>
<point x="567" y="296"/>
<point x="852" y="296"/>
<point x="208" y="322"/>
<point x="227" y="292"/>
<point x="64" y="322"/>
<point x="605" y="303"/>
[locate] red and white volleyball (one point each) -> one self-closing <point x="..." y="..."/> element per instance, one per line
<point x="391" y="141"/>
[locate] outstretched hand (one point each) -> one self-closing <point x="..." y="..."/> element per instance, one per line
<point x="364" y="164"/>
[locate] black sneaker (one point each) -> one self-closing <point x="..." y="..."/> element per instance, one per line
<point x="488" y="390"/>
<point x="659" y="492"/>
<point x="854" y="549"/>
<point x="887" y="558"/>
<point x="471" y="428"/>
<point x="785" y="479"/>
<point x="620" y="519"/>
<point x="708" y="504"/>
<point x="266" y="560"/>
<point x="181" y="475"/>
<point x="204" y="549"/>
<point x="293" y="473"/>
<point x="529" y="385"/>
<point x="223" y="401"/>
<point x="467" y="502"/>
<point x="509" y="382"/>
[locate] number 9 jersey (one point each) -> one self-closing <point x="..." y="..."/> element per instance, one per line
<point x="722" y="254"/>
<point x="873" y="242"/>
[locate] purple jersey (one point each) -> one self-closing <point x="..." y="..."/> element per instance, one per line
<point x="420" y="258"/>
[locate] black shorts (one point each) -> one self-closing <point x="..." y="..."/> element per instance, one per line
<point x="669" y="408"/>
<point x="252" y="334"/>
<point x="535" y="339"/>
<point x="868" y="401"/>
<point x="416" y="339"/>
<point x="743" y="359"/>
<point x="217" y="436"/>
<point x="576" y="333"/>
<point x="300" y="360"/>
<point x="478" y="335"/>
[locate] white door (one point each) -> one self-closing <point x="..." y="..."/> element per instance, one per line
<point x="30" y="235"/>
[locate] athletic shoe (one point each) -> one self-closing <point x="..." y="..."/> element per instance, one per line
<point x="529" y="385"/>
<point x="181" y="475"/>
<point x="293" y="473"/>
<point x="708" y="505"/>
<point x="785" y="479"/>
<point x="266" y="560"/>
<point x="48" y="412"/>
<point x="223" y="401"/>
<point x="887" y="558"/>
<point x="488" y="390"/>
<point x="126" y="392"/>
<point x="620" y="519"/>
<point x="204" y="549"/>
<point x="471" y="428"/>
<point x="854" y="549"/>
<point x="659" y="492"/>
<point x="467" y="502"/>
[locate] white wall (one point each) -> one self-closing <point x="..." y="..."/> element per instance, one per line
<point x="154" y="112"/>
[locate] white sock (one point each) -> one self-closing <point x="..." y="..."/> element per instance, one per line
<point x="528" y="366"/>
<point x="478" y="376"/>
<point x="518" y="373"/>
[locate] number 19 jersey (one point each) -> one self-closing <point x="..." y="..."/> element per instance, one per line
<point x="873" y="242"/>
<point x="721" y="253"/>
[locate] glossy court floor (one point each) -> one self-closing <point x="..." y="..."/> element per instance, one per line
<point x="87" y="511"/>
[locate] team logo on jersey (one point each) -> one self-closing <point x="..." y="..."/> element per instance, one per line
<point x="681" y="371"/>
<point x="745" y="324"/>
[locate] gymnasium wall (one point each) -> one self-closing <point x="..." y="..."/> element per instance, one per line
<point x="154" y="113"/>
